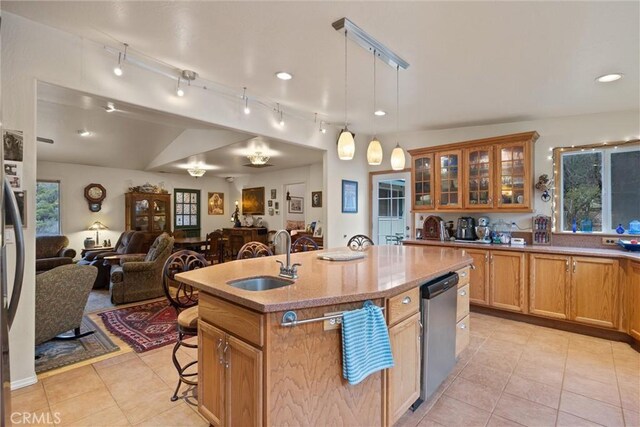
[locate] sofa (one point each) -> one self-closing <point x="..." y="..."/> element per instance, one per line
<point x="140" y="277"/>
<point x="129" y="242"/>
<point x="61" y="296"/>
<point x="52" y="252"/>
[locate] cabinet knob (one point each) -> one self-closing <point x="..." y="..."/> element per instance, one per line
<point x="224" y="352"/>
<point x="220" y="356"/>
<point x="463" y="326"/>
<point x="463" y="274"/>
<point x="463" y="293"/>
<point x="406" y="300"/>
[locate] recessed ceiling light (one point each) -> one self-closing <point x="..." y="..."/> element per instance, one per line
<point x="380" y="113"/>
<point x="84" y="132"/>
<point x="608" y="78"/>
<point x="283" y="75"/>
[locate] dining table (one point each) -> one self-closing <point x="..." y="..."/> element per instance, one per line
<point x="197" y="243"/>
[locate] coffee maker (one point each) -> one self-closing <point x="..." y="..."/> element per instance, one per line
<point x="466" y="228"/>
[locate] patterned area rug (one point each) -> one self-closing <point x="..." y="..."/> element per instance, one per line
<point x="55" y="354"/>
<point x="145" y="326"/>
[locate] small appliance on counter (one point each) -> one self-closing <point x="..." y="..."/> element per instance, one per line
<point x="483" y="231"/>
<point x="432" y="229"/>
<point x="466" y="228"/>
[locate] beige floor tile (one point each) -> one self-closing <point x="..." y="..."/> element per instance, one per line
<point x="594" y="371"/>
<point x="72" y="387"/>
<point x="112" y="416"/>
<point x="568" y="420"/>
<point x="631" y="418"/>
<point x="481" y="374"/>
<point x="425" y="422"/>
<point x="496" y="421"/>
<point x="594" y="345"/>
<point x="537" y="371"/>
<point x="129" y="394"/>
<point x="604" y="392"/>
<point x="474" y="394"/>
<point x="125" y="371"/>
<point x="590" y="409"/>
<point x="519" y="338"/>
<point x="27" y="389"/>
<point x="544" y="358"/>
<point x="525" y="412"/>
<point x="542" y="345"/>
<point x="149" y="405"/>
<point x="82" y="406"/>
<point x="452" y="412"/>
<point x="179" y="415"/>
<point x="115" y="360"/>
<point x="630" y="396"/>
<point x="168" y="374"/>
<point x="33" y="401"/>
<point x="501" y="359"/>
<point x="69" y="375"/>
<point x="534" y="391"/>
<point x="580" y="355"/>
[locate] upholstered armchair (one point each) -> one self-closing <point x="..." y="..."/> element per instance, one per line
<point x="52" y="252"/>
<point x="61" y="296"/>
<point x="129" y="242"/>
<point x="139" y="278"/>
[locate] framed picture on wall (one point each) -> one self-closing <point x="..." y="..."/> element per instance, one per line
<point x="349" y="196"/>
<point x="253" y="201"/>
<point x="296" y="205"/>
<point x="216" y="204"/>
<point x="273" y="193"/>
<point x="21" y="200"/>
<point x="316" y="199"/>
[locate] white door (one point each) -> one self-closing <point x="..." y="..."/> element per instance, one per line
<point x="391" y="201"/>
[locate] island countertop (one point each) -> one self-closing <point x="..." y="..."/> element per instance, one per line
<point x="385" y="271"/>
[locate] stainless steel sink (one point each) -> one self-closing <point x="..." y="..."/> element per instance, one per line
<point x="260" y="283"/>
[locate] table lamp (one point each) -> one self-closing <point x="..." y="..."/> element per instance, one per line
<point x="98" y="226"/>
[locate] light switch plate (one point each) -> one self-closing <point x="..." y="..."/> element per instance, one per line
<point x="613" y="241"/>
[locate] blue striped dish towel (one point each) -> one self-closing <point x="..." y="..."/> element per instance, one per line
<point x="365" y="343"/>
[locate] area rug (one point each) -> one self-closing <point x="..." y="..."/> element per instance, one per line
<point x="55" y="354"/>
<point x="145" y="326"/>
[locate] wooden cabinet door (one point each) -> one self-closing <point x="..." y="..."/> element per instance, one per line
<point x="594" y="291"/>
<point x="211" y="374"/>
<point x="513" y="175"/>
<point x="507" y="276"/>
<point x="422" y="176"/>
<point x="448" y="174"/>
<point x="549" y="282"/>
<point x="403" y="380"/>
<point x="478" y="178"/>
<point x="243" y="384"/>
<point x="479" y="278"/>
<point x="633" y="300"/>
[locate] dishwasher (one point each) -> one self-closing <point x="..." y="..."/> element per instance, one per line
<point x="438" y="312"/>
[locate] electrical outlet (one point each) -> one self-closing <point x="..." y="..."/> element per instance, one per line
<point x="613" y="241"/>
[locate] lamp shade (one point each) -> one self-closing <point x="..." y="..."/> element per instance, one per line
<point x="397" y="158"/>
<point x="98" y="226"/>
<point x="374" y="152"/>
<point x="346" y="145"/>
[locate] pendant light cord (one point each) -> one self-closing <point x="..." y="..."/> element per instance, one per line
<point x="397" y="100"/>
<point x="345" y="79"/>
<point x="374" y="94"/>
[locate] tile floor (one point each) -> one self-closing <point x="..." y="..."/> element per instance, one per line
<point x="517" y="374"/>
<point x="512" y="374"/>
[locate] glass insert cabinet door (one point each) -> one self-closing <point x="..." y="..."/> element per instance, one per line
<point x="448" y="173"/>
<point x="512" y="182"/>
<point x="423" y="182"/>
<point x="479" y="184"/>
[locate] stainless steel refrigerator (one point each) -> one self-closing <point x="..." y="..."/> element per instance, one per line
<point x="9" y="209"/>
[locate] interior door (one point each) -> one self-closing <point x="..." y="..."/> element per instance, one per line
<point x="390" y="201"/>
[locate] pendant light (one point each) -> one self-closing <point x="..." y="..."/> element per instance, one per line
<point x="397" y="155"/>
<point x="374" y="151"/>
<point x="346" y="144"/>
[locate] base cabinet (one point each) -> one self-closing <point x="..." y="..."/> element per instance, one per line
<point x="594" y="291"/>
<point x="549" y="279"/>
<point x="403" y="380"/>
<point x="479" y="280"/>
<point x="507" y="280"/>
<point x="230" y="386"/>
<point x="633" y="300"/>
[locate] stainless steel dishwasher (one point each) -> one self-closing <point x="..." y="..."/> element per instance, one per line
<point x="438" y="308"/>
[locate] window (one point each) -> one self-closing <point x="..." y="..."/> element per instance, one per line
<point x="187" y="209"/>
<point x="599" y="188"/>
<point x="48" y="208"/>
<point x="391" y="213"/>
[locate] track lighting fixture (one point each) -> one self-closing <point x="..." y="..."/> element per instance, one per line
<point x="280" y="115"/>
<point x="179" y="90"/>
<point x="346" y="143"/>
<point x="281" y="119"/>
<point x="247" y="110"/>
<point x="117" y="70"/>
<point x="323" y="129"/>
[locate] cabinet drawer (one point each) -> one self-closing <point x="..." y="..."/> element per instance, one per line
<point x="463" y="303"/>
<point x="239" y="321"/>
<point x="403" y="305"/>
<point x="462" y="335"/>
<point x="463" y="276"/>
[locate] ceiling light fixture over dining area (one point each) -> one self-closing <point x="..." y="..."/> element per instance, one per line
<point x="258" y="158"/>
<point x="196" y="171"/>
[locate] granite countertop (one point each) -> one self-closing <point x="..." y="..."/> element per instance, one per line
<point x="563" y="250"/>
<point x="384" y="272"/>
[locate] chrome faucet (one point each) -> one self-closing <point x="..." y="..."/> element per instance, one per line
<point x="289" y="271"/>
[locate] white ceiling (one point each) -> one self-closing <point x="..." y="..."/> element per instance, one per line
<point x="138" y="138"/>
<point x="471" y="62"/>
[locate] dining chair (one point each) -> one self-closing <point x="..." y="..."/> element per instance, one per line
<point x="215" y="247"/>
<point x="254" y="250"/>
<point x="304" y="244"/>
<point x="359" y="242"/>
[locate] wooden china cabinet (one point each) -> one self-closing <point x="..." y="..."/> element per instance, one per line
<point x="490" y="174"/>
<point x="149" y="212"/>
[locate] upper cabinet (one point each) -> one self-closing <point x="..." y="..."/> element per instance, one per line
<point x="491" y="174"/>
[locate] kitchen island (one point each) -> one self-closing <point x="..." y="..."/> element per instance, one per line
<point x="255" y="371"/>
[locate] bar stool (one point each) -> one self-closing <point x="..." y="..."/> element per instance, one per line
<point x="254" y="250"/>
<point x="359" y="242"/>
<point x="183" y="299"/>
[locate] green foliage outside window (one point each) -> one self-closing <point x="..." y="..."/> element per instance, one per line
<point x="582" y="190"/>
<point x="47" y="208"/>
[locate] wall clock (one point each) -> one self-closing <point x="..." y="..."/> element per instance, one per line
<point x="95" y="194"/>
